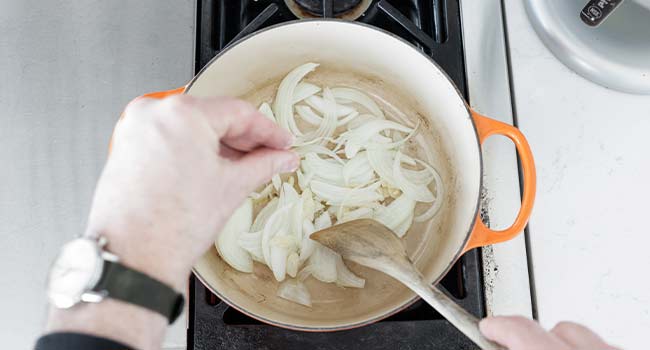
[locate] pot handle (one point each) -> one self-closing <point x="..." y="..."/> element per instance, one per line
<point x="482" y="235"/>
<point x="163" y="94"/>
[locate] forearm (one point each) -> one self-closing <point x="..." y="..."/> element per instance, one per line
<point x="112" y="319"/>
<point x="127" y="323"/>
<point x="164" y="195"/>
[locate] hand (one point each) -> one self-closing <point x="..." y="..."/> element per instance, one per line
<point x="177" y="169"/>
<point x="520" y="333"/>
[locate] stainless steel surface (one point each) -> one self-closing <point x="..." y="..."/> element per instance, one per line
<point x="67" y="69"/>
<point x="615" y="54"/>
<point x="505" y="270"/>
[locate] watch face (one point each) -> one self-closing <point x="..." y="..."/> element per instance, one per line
<point x="75" y="271"/>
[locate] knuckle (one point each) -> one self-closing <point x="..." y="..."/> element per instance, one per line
<point x="171" y="110"/>
<point x="178" y="104"/>
<point x="237" y="107"/>
<point x="523" y="323"/>
<point x="136" y="106"/>
<point x="566" y="327"/>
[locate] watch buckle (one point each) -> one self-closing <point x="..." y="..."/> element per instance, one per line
<point x="93" y="296"/>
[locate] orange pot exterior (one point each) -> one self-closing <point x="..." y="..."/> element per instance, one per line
<point x="482" y="235"/>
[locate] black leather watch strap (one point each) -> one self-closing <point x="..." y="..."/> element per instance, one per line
<point x="131" y="286"/>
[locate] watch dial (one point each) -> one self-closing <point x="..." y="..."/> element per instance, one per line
<point x="74" y="271"/>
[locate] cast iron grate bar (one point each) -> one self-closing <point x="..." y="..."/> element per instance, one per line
<point x="439" y="23"/>
<point x="328" y="9"/>
<point x="394" y="13"/>
<point x="256" y="23"/>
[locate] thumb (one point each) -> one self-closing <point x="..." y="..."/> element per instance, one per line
<point x="257" y="167"/>
<point x="519" y="333"/>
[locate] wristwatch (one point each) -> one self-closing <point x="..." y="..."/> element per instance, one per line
<point x="85" y="272"/>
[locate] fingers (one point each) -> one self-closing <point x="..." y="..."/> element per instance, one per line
<point x="257" y="167"/>
<point x="578" y="336"/>
<point x="235" y="123"/>
<point x="227" y="152"/>
<point x="240" y="126"/>
<point x="520" y="333"/>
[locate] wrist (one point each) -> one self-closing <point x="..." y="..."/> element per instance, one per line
<point x="157" y="260"/>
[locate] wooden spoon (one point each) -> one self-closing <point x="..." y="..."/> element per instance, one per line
<point x="369" y="243"/>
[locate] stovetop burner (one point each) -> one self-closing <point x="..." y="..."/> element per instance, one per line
<point x="432" y="26"/>
<point x="315" y="7"/>
<point x="344" y="9"/>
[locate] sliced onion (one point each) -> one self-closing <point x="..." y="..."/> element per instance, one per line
<point x="440" y="194"/>
<point x="334" y="210"/>
<point x="305" y="273"/>
<point x="345" y="277"/>
<point x="283" y="105"/>
<point x="281" y="245"/>
<point x="381" y="162"/>
<point x="358" y="138"/>
<point x="402" y="228"/>
<point x="350" y="117"/>
<point x="267" y="111"/>
<point x="327" y="170"/>
<point x="308" y="205"/>
<point x="293" y="262"/>
<point x="327" y="186"/>
<point x="395" y="144"/>
<point x="360" y="121"/>
<point x="264" y="214"/>
<point x="227" y="243"/>
<point x="308" y="245"/>
<point x="322" y="222"/>
<point x="304" y="90"/>
<point x="304" y="180"/>
<point x="277" y="182"/>
<point x="323" y="261"/>
<point x="265" y="192"/>
<point x="294" y="291"/>
<point x="308" y="115"/>
<point x="319" y="207"/>
<point x="416" y="192"/>
<point x="252" y="243"/>
<point x="318" y="103"/>
<point x="359" y="213"/>
<point x="353" y="95"/>
<point x="288" y="195"/>
<point x="318" y="149"/>
<point x="357" y="171"/>
<point x="329" y="123"/>
<point x="336" y="195"/>
<point x="277" y="222"/>
<point x="396" y="213"/>
<point x="420" y="177"/>
<point x="278" y="263"/>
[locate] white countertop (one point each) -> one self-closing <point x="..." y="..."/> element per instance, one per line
<point x="67" y="68"/>
<point x="589" y="240"/>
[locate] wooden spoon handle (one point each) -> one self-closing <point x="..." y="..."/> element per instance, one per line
<point x="454" y="313"/>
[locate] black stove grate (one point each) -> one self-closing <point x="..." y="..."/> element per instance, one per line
<point x="434" y="27"/>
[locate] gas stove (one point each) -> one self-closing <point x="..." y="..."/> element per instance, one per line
<point x="433" y="27"/>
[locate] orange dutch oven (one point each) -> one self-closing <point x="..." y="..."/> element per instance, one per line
<point x="399" y="75"/>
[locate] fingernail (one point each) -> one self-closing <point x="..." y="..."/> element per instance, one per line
<point x="288" y="164"/>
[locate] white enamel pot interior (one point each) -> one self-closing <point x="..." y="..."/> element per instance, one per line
<point x="392" y="70"/>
